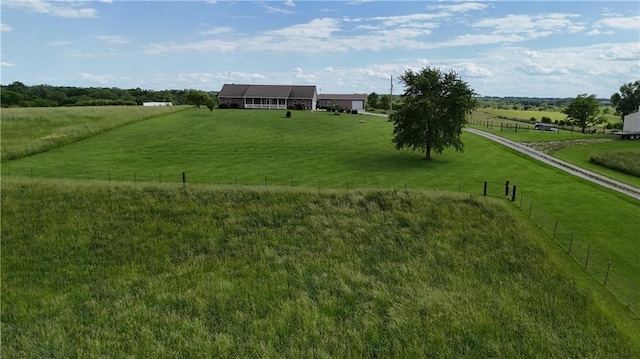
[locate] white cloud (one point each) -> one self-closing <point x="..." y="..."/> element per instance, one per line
<point x="203" y="46"/>
<point x="7" y="64"/>
<point x="532" y="26"/>
<point x="113" y="40"/>
<point x="624" y="23"/>
<point x="463" y="7"/>
<point x="217" y="31"/>
<point x="290" y="3"/>
<point x="274" y="10"/>
<point x="58" y="9"/>
<point x="5" y="28"/>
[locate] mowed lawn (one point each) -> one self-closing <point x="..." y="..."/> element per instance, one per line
<point x="263" y="148"/>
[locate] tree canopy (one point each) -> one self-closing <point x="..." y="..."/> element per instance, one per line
<point x="628" y="99"/>
<point x="583" y="111"/>
<point x="433" y="111"/>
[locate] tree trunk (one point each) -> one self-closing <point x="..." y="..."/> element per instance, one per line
<point x="427" y="154"/>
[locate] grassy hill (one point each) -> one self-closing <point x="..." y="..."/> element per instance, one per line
<point x="117" y="270"/>
<point x="321" y="150"/>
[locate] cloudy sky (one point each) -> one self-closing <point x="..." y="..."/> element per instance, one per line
<point x="501" y="48"/>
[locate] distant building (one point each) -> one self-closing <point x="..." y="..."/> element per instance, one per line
<point x="353" y="102"/>
<point x="157" y="104"/>
<point x="268" y="96"/>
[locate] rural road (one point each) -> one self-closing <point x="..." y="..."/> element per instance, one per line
<point x="604" y="181"/>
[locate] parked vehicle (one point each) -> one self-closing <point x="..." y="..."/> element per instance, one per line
<point x="545" y="127"/>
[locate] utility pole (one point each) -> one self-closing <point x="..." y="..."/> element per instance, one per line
<point x="391" y="95"/>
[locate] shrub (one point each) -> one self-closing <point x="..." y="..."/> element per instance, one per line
<point x="288" y="114"/>
<point x="546" y="119"/>
<point x="355" y="112"/>
<point x="534" y="119"/>
<point x="223" y="106"/>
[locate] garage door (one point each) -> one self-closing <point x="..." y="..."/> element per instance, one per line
<point x="357" y="105"/>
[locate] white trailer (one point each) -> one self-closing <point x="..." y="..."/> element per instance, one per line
<point x="630" y="127"/>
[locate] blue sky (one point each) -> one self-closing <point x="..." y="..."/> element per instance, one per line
<point x="501" y="48"/>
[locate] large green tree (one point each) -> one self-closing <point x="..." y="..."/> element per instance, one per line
<point x="628" y="99"/>
<point x="433" y="111"/>
<point x="583" y="111"/>
<point x="200" y="98"/>
<point x="372" y="99"/>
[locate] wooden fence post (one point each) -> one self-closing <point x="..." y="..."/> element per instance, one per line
<point x="184" y="178"/>
<point x="513" y="194"/>
<point x="506" y="188"/>
<point x="607" y="275"/>
<point x="484" y="193"/>
<point x="586" y="262"/>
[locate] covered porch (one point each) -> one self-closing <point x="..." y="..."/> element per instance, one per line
<point x="265" y="103"/>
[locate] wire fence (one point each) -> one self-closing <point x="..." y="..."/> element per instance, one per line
<point x="591" y="258"/>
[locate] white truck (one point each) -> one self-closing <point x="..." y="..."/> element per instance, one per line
<point x="630" y="127"/>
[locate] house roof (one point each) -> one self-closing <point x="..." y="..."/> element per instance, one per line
<point x="231" y="90"/>
<point x="267" y="91"/>
<point x="352" y="97"/>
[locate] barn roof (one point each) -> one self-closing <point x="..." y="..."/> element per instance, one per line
<point x="352" y="97"/>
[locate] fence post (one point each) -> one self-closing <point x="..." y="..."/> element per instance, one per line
<point x="555" y="228"/>
<point x="184" y="178"/>
<point x="570" y="243"/>
<point x="530" y="207"/>
<point x="586" y="262"/>
<point x="607" y="275"/>
<point x="484" y="193"/>
<point x="633" y="289"/>
<point x="521" y="196"/>
<point x="506" y="188"/>
<point x="513" y="194"/>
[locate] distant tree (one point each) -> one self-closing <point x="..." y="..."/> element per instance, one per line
<point x="583" y="111"/>
<point x="384" y="101"/>
<point x="433" y="111"/>
<point x="628" y="100"/>
<point x="199" y="98"/>
<point x="372" y="99"/>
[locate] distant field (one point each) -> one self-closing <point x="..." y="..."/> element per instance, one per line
<point x="106" y="270"/>
<point x="527" y="114"/>
<point x="27" y="131"/>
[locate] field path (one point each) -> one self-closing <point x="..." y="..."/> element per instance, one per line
<point x="604" y="181"/>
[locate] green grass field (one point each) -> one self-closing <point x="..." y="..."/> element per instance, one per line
<point x="29" y="131"/>
<point x="527" y="114"/>
<point x="323" y="151"/>
<point x="121" y="270"/>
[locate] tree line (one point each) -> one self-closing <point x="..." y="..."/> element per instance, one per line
<point x="18" y="94"/>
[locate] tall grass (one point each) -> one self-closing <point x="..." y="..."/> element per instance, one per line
<point x="94" y="270"/>
<point x="625" y="162"/>
<point x="28" y="131"/>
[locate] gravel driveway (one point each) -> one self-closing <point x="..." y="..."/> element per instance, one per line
<point x="604" y="181"/>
